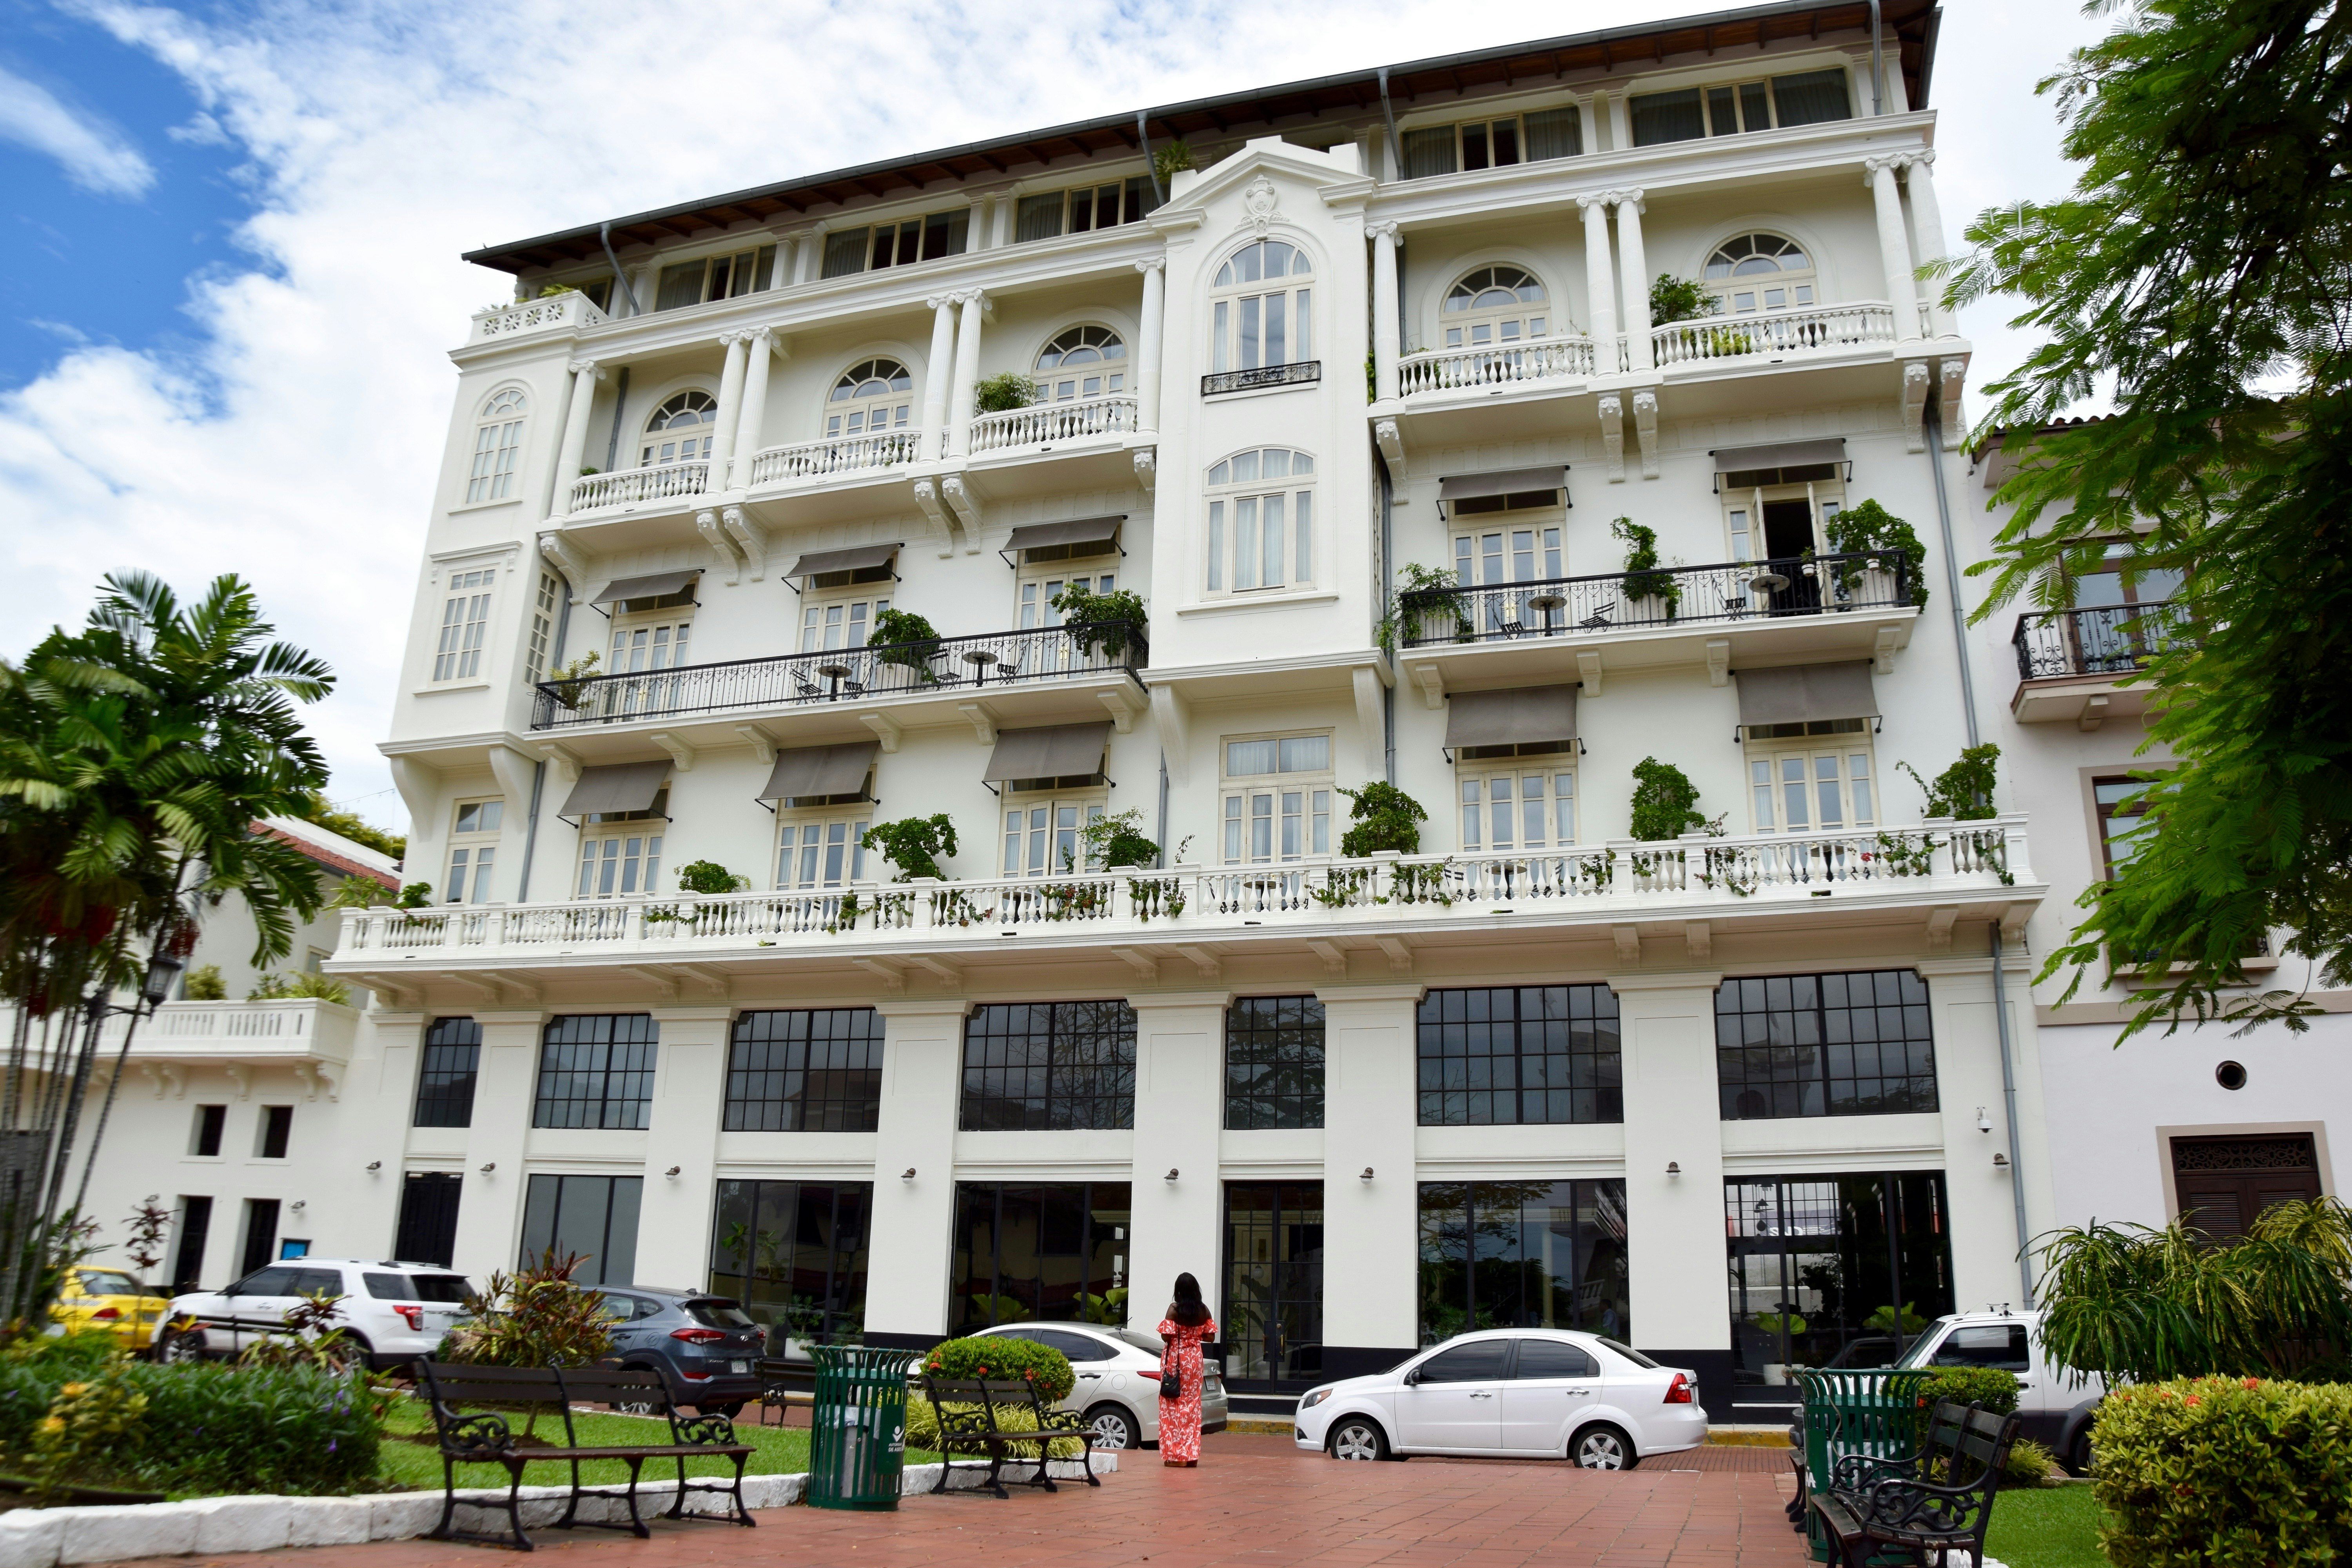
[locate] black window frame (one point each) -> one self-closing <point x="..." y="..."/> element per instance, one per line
<point x="612" y="1097"/>
<point x="274" y="1138"/>
<point x="996" y="1033"/>
<point x="770" y="1051"/>
<point x="1453" y="1096"/>
<point x="760" y="1269"/>
<point x="977" y="1201"/>
<point x="542" y="1211"/>
<point x="447" y="1066"/>
<point x="1475" y="1268"/>
<point x="1762" y="1028"/>
<point x="1255" y="1031"/>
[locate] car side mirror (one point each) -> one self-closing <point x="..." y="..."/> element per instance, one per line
<point x="1413" y="1378"/>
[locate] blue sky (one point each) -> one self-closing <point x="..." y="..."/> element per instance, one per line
<point x="231" y="276"/>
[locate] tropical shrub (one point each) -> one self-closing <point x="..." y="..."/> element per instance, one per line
<point x="710" y="876"/>
<point x="1104" y="621"/>
<point x="537" y="1316"/>
<point x="985" y="1356"/>
<point x="1964" y="789"/>
<point x="1171" y="158"/>
<point x="1003" y="394"/>
<point x="906" y="639"/>
<point x="414" y="896"/>
<point x="301" y="982"/>
<point x="1423" y="596"/>
<point x="1663" y="799"/>
<point x="204" y="983"/>
<point x="2225" y="1472"/>
<point x="1674" y="299"/>
<point x="915" y="844"/>
<point x="1385" y="817"/>
<point x="571" y="680"/>
<point x="1113" y="842"/>
<point x="1869" y="529"/>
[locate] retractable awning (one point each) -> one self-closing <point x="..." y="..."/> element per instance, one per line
<point x="1544" y="486"/>
<point x="661" y="584"/>
<point x="615" y="787"/>
<point x="805" y="772"/>
<point x="1521" y="716"/>
<point x="1082" y="530"/>
<point x="855" y="560"/>
<point x="1050" y="752"/>
<point x="1806" y="693"/>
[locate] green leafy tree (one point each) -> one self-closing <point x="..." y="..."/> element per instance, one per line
<point x="1664" y="798"/>
<point x="2201" y="267"/>
<point x="1384" y="817"/>
<point x="1105" y="621"/>
<point x="1963" y="791"/>
<point x="1674" y="299"/>
<point x="1116" y="842"/>
<point x="1869" y="529"/>
<point x="1643" y="580"/>
<point x="916" y="845"/>
<point x="1003" y="394"/>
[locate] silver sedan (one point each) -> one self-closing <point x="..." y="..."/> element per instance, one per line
<point x="1117" y="1387"/>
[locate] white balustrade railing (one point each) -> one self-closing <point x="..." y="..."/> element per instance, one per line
<point x="825" y="460"/>
<point x="1610" y="881"/>
<point x="284" y="1026"/>
<point x="572" y="309"/>
<point x="1047" y="423"/>
<point x="1494" y="365"/>
<point x="632" y="485"/>
<point x="1771" y="335"/>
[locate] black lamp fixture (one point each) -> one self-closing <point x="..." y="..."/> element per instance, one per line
<point x="163" y="973"/>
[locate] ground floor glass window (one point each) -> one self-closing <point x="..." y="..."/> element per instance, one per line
<point x="593" y="1216"/>
<point x="795" y="1254"/>
<point x="1522" y="1255"/>
<point x="1272" y="1322"/>
<point x="1034" y="1251"/>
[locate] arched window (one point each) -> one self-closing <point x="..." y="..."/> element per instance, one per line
<point x="680" y="430"/>
<point x="869" y="398"/>
<point x="1085" y="362"/>
<point x="1262" y="521"/>
<point x="1760" y="272"/>
<point x="1495" y="304"/>
<point x="498" y="444"/>
<point x="1263" y="310"/>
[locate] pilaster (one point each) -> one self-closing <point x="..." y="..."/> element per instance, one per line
<point x="490" y="1209"/>
<point x="682" y="1134"/>
<point x="1179" y="1107"/>
<point x="914" y="1214"/>
<point x="1369" y="1103"/>
<point x="1673" y="1217"/>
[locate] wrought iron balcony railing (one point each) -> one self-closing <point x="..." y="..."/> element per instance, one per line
<point x="1296" y="374"/>
<point x="2112" y="639"/>
<point x="970" y="665"/>
<point x="1667" y="595"/>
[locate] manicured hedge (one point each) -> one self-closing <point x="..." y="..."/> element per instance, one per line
<point x="989" y="1357"/>
<point x="2223" y="1472"/>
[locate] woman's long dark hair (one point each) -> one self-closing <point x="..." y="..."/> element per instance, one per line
<point x="1187" y="1310"/>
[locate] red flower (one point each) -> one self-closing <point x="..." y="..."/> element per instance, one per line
<point x="2192" y="1399"/>
<point x="2252" y="1382"/>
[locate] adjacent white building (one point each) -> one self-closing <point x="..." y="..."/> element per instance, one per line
<point x="1756" y="1096"/>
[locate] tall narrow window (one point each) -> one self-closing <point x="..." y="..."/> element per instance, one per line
<point x="445" y="1079"/>
<point x="1273" y="1062"/>
<point x="1812" y="777"/>
<point x="812" y="856"/>
<point x="795" y="1255"/>
<point x="594" y="1217"/>
<point x="1277" y="799"/>
<point x="1262" y="313"/>
<point x="1262" y="521"/>
<point x="498" y="445"/>
<point x="464" y="622"/>
<point x="543" y="613"/>
<point x="472" y="851"/>
<point x="597" y="1070"/>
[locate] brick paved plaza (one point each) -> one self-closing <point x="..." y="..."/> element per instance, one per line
<point x="1254" y="1500"/>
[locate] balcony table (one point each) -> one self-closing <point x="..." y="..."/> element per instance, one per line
<point x="1546" y="602"/>
<point x="834" y="674"/>
<point x="980" y="659"/>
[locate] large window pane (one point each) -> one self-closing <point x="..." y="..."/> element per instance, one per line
<point x="445" y="1078"/>
<point x="593" y="1217"/>
<point x="795" y="1254"/>
<point x="1516" y="1255"/>
<point x="816" y="1071"/>
<point x="1031" y="1066"/>
<point x="1857" y="1044"/>
<point x="1025" y="1250"/>
<point x="596" y="1070"/>
<point x="1667" y="117"/>
<point x="1272" y="1320"/>
<point x="1555" y="133"/>
<point x="1428" y="153"/>
<point x="1811" y="97"/>
<point x="1527" y="1054"/>
<point x="1273" y="1062"/>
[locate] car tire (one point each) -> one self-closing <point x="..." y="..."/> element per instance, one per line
<point x="1115" y="1426"/>
<point x="1356" y="1438"/>
<point x="1602" y="1447"/>
<point x="363" y="1352"/>
<point x="180" y="1347"/>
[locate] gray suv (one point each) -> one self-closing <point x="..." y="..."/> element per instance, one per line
<point x="706" y="1347"/>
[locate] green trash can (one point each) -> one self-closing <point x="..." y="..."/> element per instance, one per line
<point x="857" y="1440"/>
<point x="1873" y="1412"/>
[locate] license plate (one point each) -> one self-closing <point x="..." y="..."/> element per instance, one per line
<point x="739" y="1366"/>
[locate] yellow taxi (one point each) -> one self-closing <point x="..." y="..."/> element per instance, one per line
<point x="108" y="1300"/>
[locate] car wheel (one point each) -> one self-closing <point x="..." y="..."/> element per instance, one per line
<point x="1602" y="1448"/>
<point x="1358" y="1438"/>
<point x="1114" y="1427"/>
<point x="2079" y="1458"/>
<point x="178" y="1349"/>
<point x="361" y="1354"/>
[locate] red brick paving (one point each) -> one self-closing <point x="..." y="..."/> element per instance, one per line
<point x="1254" y="1500"/>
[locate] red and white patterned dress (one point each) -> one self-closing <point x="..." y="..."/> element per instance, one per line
<point x="1180" y="1419"/>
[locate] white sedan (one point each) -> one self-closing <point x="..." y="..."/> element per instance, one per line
<point x="1117" y="1387"/>
<point x="1511" y="1394"/>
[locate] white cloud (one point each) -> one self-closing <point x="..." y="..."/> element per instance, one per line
<point x="97" y="156"/>
<point x="297" y="442"/>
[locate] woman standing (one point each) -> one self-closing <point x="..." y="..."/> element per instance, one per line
<point x="1184" y="1330"/>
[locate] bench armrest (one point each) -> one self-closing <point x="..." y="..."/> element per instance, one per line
<point x="1855" y="1473"/>
<point x="715" y="1431"/>
<point x="1901" y="1503"/>
<point x="481" y="1436"/>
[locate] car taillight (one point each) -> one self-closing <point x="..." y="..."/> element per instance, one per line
<point x="1679" y="1391"/>
<point x="108" y="1313"/>
<point x="412" y="1316"/>
<point x="698" y="1336"/>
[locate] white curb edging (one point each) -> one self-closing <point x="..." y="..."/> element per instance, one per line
<point x="63" y="1537"/>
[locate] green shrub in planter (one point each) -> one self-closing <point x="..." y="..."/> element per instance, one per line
<point x="1996" y="1391"/>
<point x="2225" y="1472"/>
<point x="1004" y="1359"/>
<point x="923" y="1425"/>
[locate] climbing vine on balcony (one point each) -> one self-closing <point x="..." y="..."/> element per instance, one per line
<point x="1869" y="529"/>
<point x="1644" y="579"/>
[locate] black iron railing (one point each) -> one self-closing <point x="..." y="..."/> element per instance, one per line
<point x="1264" y="375"/>
<point x="2112" y="639"/>
<point x="972" y="664"/>
<point x="1667" y="595"/>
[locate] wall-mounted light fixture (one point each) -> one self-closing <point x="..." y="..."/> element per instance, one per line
<point x="2000" y="1160"/>
<point x="1172" y="1173"/>
<point x="907" y="1174"/>
<point x="1984" y="1120"/>
<point x="673" y="1171"/>
<point x="1673" y="1168"/>
<point x="375" y="1164"/>
<point x="488" y="1168"/>
<point x="1367" y="1175"/>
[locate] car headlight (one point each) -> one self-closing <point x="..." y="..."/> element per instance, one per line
<point x="1313" y="1397"/>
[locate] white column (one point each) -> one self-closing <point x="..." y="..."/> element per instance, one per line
<point x="1147" y="351"/>
<point x="755" y="403"/>
<point x="1008" y="203"/>
<point x="810" y="262"/>
<point x="1927" y="230"/>
<point x="1178" y="1108"/>
<point x="573" y="453"/>
<point x="730" y="402"/>
<point x="1371" y="1108"/>
<point x="690" y="1080"/>
<point x="1621" y="123"/>
<point x="1893" y="246"/>
<point x="936" y="371"/>
<point x="914" y="1215"/>
<point x="975" y="228"/>
<point x="1384" y="311"/>
<point x="1675" y="1244"/>
<point x="1637" y="279"/>
<point x="1600" y="284"/>
<point x="489" y="1217"/>
<point x="788" y="248"/>
<point x="967" y="372"/>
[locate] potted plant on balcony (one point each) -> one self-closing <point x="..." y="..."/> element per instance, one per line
<point x="567" y="683"/>
<point x="1426" y="597"/>
<point x="1646" y="583"/>
<point x="1003" y="394"/>
<point x="1103" y="622"/>
<point x="1677" y="301"/>
<point x="1868" y="529"/>
<point x="704" y="878"/>
<point x="904" y="644"/>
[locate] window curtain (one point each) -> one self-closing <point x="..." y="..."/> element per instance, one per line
<point x="1667" y="117"/>
<point x="845" y="253"/>
<point x="1428" y="153"/>
<point x="1811" y="97"/>
<point x="1037" y="218"/>
<point x="681" y="285"/>
<point x="1555" y="133"/>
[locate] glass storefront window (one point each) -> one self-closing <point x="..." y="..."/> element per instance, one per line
<point x="1056" y="1252"/>
<point x="1521" y="1255"/>
<point x="795" y="1254"/>
<point x="1813" y="1280"/>
<point x="592" y="1218"/>
<point x="1272" y="1323"/>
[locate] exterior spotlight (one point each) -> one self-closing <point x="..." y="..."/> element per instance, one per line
<point x="375" y="1164"/>
<point x="488" y="1168"/>
<point x="2000" y="1160"/>
<point x="1172" y="1173"/>
<point x="1674" y="1167"/>
<point x="672" y="1171"/>
<point x="907" y="1174"/>
<point x="302" y="1203"/>
<point x="1367" y="1175"/>
<point x="1984" y="1122"/>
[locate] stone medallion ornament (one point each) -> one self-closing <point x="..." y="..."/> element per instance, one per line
<point x="1260" y="198"/>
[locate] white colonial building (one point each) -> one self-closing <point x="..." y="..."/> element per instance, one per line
<point x="1755" y="1096"/>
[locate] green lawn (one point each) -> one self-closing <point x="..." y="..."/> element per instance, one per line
<point x="2046" y="1527"/>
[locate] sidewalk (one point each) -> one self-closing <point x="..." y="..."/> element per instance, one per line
<point x="1254" y="1501"/>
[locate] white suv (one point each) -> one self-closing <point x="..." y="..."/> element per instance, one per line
<point x="2054" y="1404"/>
<point x="395" y="1312"/>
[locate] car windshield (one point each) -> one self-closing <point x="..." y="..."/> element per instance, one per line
<point x="1917" y="1354"/>
<point x="108" y="1282"/>
<point x="1628" y="1352"/>
<point x="717" y="1312"/>
<point x="1141" y="1339"/>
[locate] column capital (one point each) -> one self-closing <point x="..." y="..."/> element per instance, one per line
<point x="977" y="298"/>
<point x="1597" y="199"/>
<point x="731" y="339"/>
<point x="758" y="335"/>
<point x="1152" y="264"/>
<point x="1885" y="162"/>
<point x="1385" y="229"/>
<point x="942" y="301"/>
<point x="1631" y="198"/>
<point x="1924" y="158"/>
<point x="587" y="367"/>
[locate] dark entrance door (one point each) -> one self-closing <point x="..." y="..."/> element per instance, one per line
<point x="429" y="1218"/>
<point x="1787" y="535"/>
<point x="1273" y="1322"/>
<point x="2223" y="1182"/>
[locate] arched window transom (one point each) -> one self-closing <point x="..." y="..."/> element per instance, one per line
<point x="1085" y="362"/>
<point x="869" y="398"/>
<point x="1262" y="521"/>
<point x="1760" y="272"/>
<point x="498" y="445"/>
<point x="1263" y="314"/>
<point x="1495" y="304"/>
<point x="680" y="429"/>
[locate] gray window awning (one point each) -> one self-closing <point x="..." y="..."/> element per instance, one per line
<point x="808" y="770"/>
<point x="614" y="787"/>
<point x="1806" y="693"/>
<point x="856" y="560"/>
<point x="1780" y="455"/>
<point x="1052" y="751"/>
<point x="1082" y="531"/>
<point x="661" y="584"/>
<point x="1523" y="715"/>
<point x="1503" y="482"/>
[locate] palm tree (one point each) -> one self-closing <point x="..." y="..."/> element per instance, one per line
<point x="135" y="757"/>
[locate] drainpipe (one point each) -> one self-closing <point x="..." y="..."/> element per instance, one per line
<point x="1933" y="421"/>
<point x="1143" y="138"/>
<point x="2009" y="1102"/>
<point x="1388" y="607"/>
<point x="621" y="289"/>
<point x="1162" y="835"/>
<point x="1396" y="147"/>
<point x="1877" y="64"/>
<point x="539" y="769"/>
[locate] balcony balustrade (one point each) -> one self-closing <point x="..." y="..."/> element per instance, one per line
<point x="628" y="487"/>
<point x="2112" y="639"/>
<point x="567" y="309"/>
<point x="1495" y="366"/>
<point x="1772" y="335"/>
<point x="1766" y="874"/>
<point x="962" y="666"/>
<point x="1050" y="423"/>
<point x="1741" y="591"/>
<point x="833" y="459"/>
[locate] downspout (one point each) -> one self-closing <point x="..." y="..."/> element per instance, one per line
<point x="1160" y="835"/>
<point x="1143" y="138"/>
<point x="1396" y="147"/>
<point x="621" y="279"/>
<point x="539" y="769"/>
<point x="1877" y="64"/>
<point x="2009" y="1103"/>
<point x="1388" y="608"/>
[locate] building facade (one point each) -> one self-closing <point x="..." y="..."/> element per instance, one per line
<point x="1591" y="347"/>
